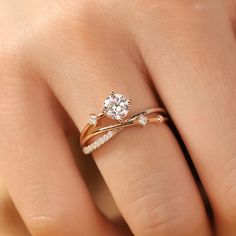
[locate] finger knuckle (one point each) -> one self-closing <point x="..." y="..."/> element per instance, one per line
<point x="156" y="217"/>
<point x="85" y="18"/>
<point x="96" y="23"/>
<point x="47" y="225"/>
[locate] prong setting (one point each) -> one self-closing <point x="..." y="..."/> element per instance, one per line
<point x="116" y="106"/>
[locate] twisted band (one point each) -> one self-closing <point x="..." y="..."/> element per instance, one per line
<point x="94" y="135"/>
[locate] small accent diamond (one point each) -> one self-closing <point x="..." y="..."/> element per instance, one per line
<point x="142" y="120"/>
<point x="99" y="142"/>
<point x="160" y="118"/>
<point x="93" y="119"/>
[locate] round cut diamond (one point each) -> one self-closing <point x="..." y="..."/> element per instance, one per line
<point x="142" y="120"/>
<point x="160" y="118"/>
<point x="93" y="119"/>
<point x="116" y="106"/>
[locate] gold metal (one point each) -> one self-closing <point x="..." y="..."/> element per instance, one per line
<point x="95" y="135"/>
<point x="90" y="131"/>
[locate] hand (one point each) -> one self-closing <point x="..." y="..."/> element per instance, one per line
<point x="60" y="59"/>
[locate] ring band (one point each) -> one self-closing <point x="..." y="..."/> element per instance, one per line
<point x="116" y="107"/>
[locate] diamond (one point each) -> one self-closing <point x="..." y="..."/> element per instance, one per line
<point x="116" y="106"/>
<point x="93" y="119"/>
<point x="142" y="120"/>
<point x="109" y="134"/>
<point x="99" y="141"/>
<point x="159" y="118"/>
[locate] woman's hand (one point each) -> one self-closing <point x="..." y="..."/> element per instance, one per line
<point x="74" y="53"/>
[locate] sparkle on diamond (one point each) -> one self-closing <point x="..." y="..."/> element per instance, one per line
<point x="116" y="106"/>
<point x="143" y="120"/>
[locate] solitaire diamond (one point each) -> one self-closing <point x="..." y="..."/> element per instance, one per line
<point x="116" y="106"/>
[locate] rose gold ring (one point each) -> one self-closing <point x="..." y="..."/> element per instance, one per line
<point x="116" y="107"/>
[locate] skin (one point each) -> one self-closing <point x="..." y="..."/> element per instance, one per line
<point x="60" y="59"/>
